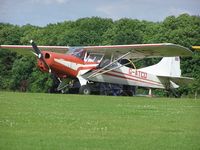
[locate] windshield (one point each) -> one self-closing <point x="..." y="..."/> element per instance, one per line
<point x="80" y="53"/>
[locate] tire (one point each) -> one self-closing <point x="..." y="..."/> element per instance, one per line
<point x="85" y="89"/>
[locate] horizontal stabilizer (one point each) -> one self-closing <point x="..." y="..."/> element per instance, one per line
<point x="178" y="80"/>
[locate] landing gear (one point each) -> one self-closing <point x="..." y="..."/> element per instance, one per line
<point x="110" y="89"/>
<point x="128" y="90"/>
<point x="173" y="93"/>
<point x="107" y="89"/>
<point x="74" y="87"/>
<point x="85" y="89"/>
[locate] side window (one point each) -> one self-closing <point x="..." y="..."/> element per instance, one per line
<point x="94" y="57"/>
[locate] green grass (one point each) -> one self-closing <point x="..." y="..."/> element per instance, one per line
<point x="56" y="121"/>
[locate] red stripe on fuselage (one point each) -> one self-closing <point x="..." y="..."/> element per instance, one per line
<point x="118" y="76"/>
<point x="134" y="76"/>
<point x="141" y="79"/>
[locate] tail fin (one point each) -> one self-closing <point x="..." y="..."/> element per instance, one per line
<point x="168" y="66"/>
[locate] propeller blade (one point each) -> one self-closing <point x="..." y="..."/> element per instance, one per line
<point x="37" y="50"/>
<point x="38" y="53"/>
<point x="46" y="65"/>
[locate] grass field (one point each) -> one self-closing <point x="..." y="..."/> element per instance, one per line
<point x="75" y="122"/>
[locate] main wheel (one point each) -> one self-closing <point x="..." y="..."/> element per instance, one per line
<point x="85" y="89"/>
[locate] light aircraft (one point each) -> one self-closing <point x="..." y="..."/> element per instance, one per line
<point x="106" y="69"/>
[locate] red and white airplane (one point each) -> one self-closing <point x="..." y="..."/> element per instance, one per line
<point x="100" y="67"/>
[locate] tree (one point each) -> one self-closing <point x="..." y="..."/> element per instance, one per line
<point x="124" y="31"/>
<point x="10" y="34"/>
<point x="6" y="61"/>
<point x="21" y="70"/>
<point x="40" y="82"/>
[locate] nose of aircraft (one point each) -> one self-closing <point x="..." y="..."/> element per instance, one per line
<point x="42" y="66"/>
<point x="48" y="60"/>
<point x="60" y="64"/>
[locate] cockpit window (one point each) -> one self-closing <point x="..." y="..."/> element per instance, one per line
<point x="94" y="57"/>
<point x="80" y="53"/>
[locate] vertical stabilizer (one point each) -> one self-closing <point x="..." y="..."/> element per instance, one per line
<point x="168" y="66"/>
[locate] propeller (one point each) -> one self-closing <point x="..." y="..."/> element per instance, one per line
<point x="37" y="50"/>
<point x="39" y="54"/>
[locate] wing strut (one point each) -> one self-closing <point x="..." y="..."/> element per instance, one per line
<point x="130" y="62"/>
<point x="96" y="72"/>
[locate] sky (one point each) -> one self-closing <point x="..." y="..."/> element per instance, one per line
<point x="43" y="12"/>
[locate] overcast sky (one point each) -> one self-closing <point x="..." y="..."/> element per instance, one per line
<point x="42" y="12"/>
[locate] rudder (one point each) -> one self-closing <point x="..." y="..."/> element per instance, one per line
<point x="168" y="66"/>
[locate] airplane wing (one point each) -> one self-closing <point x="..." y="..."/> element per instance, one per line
<point x="142" y="50"/>
<point x="27" y="49"/>
<point x="137" y="50"/>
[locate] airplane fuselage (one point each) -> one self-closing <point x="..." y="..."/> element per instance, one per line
<point x="68" y="65"/>
<point x="129" y="76"/>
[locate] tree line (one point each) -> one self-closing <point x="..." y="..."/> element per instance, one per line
<point x="19" y="73"/>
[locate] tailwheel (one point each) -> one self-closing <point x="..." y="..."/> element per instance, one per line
<point x="173" y="93"/>
<point x="85" y="89"/>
